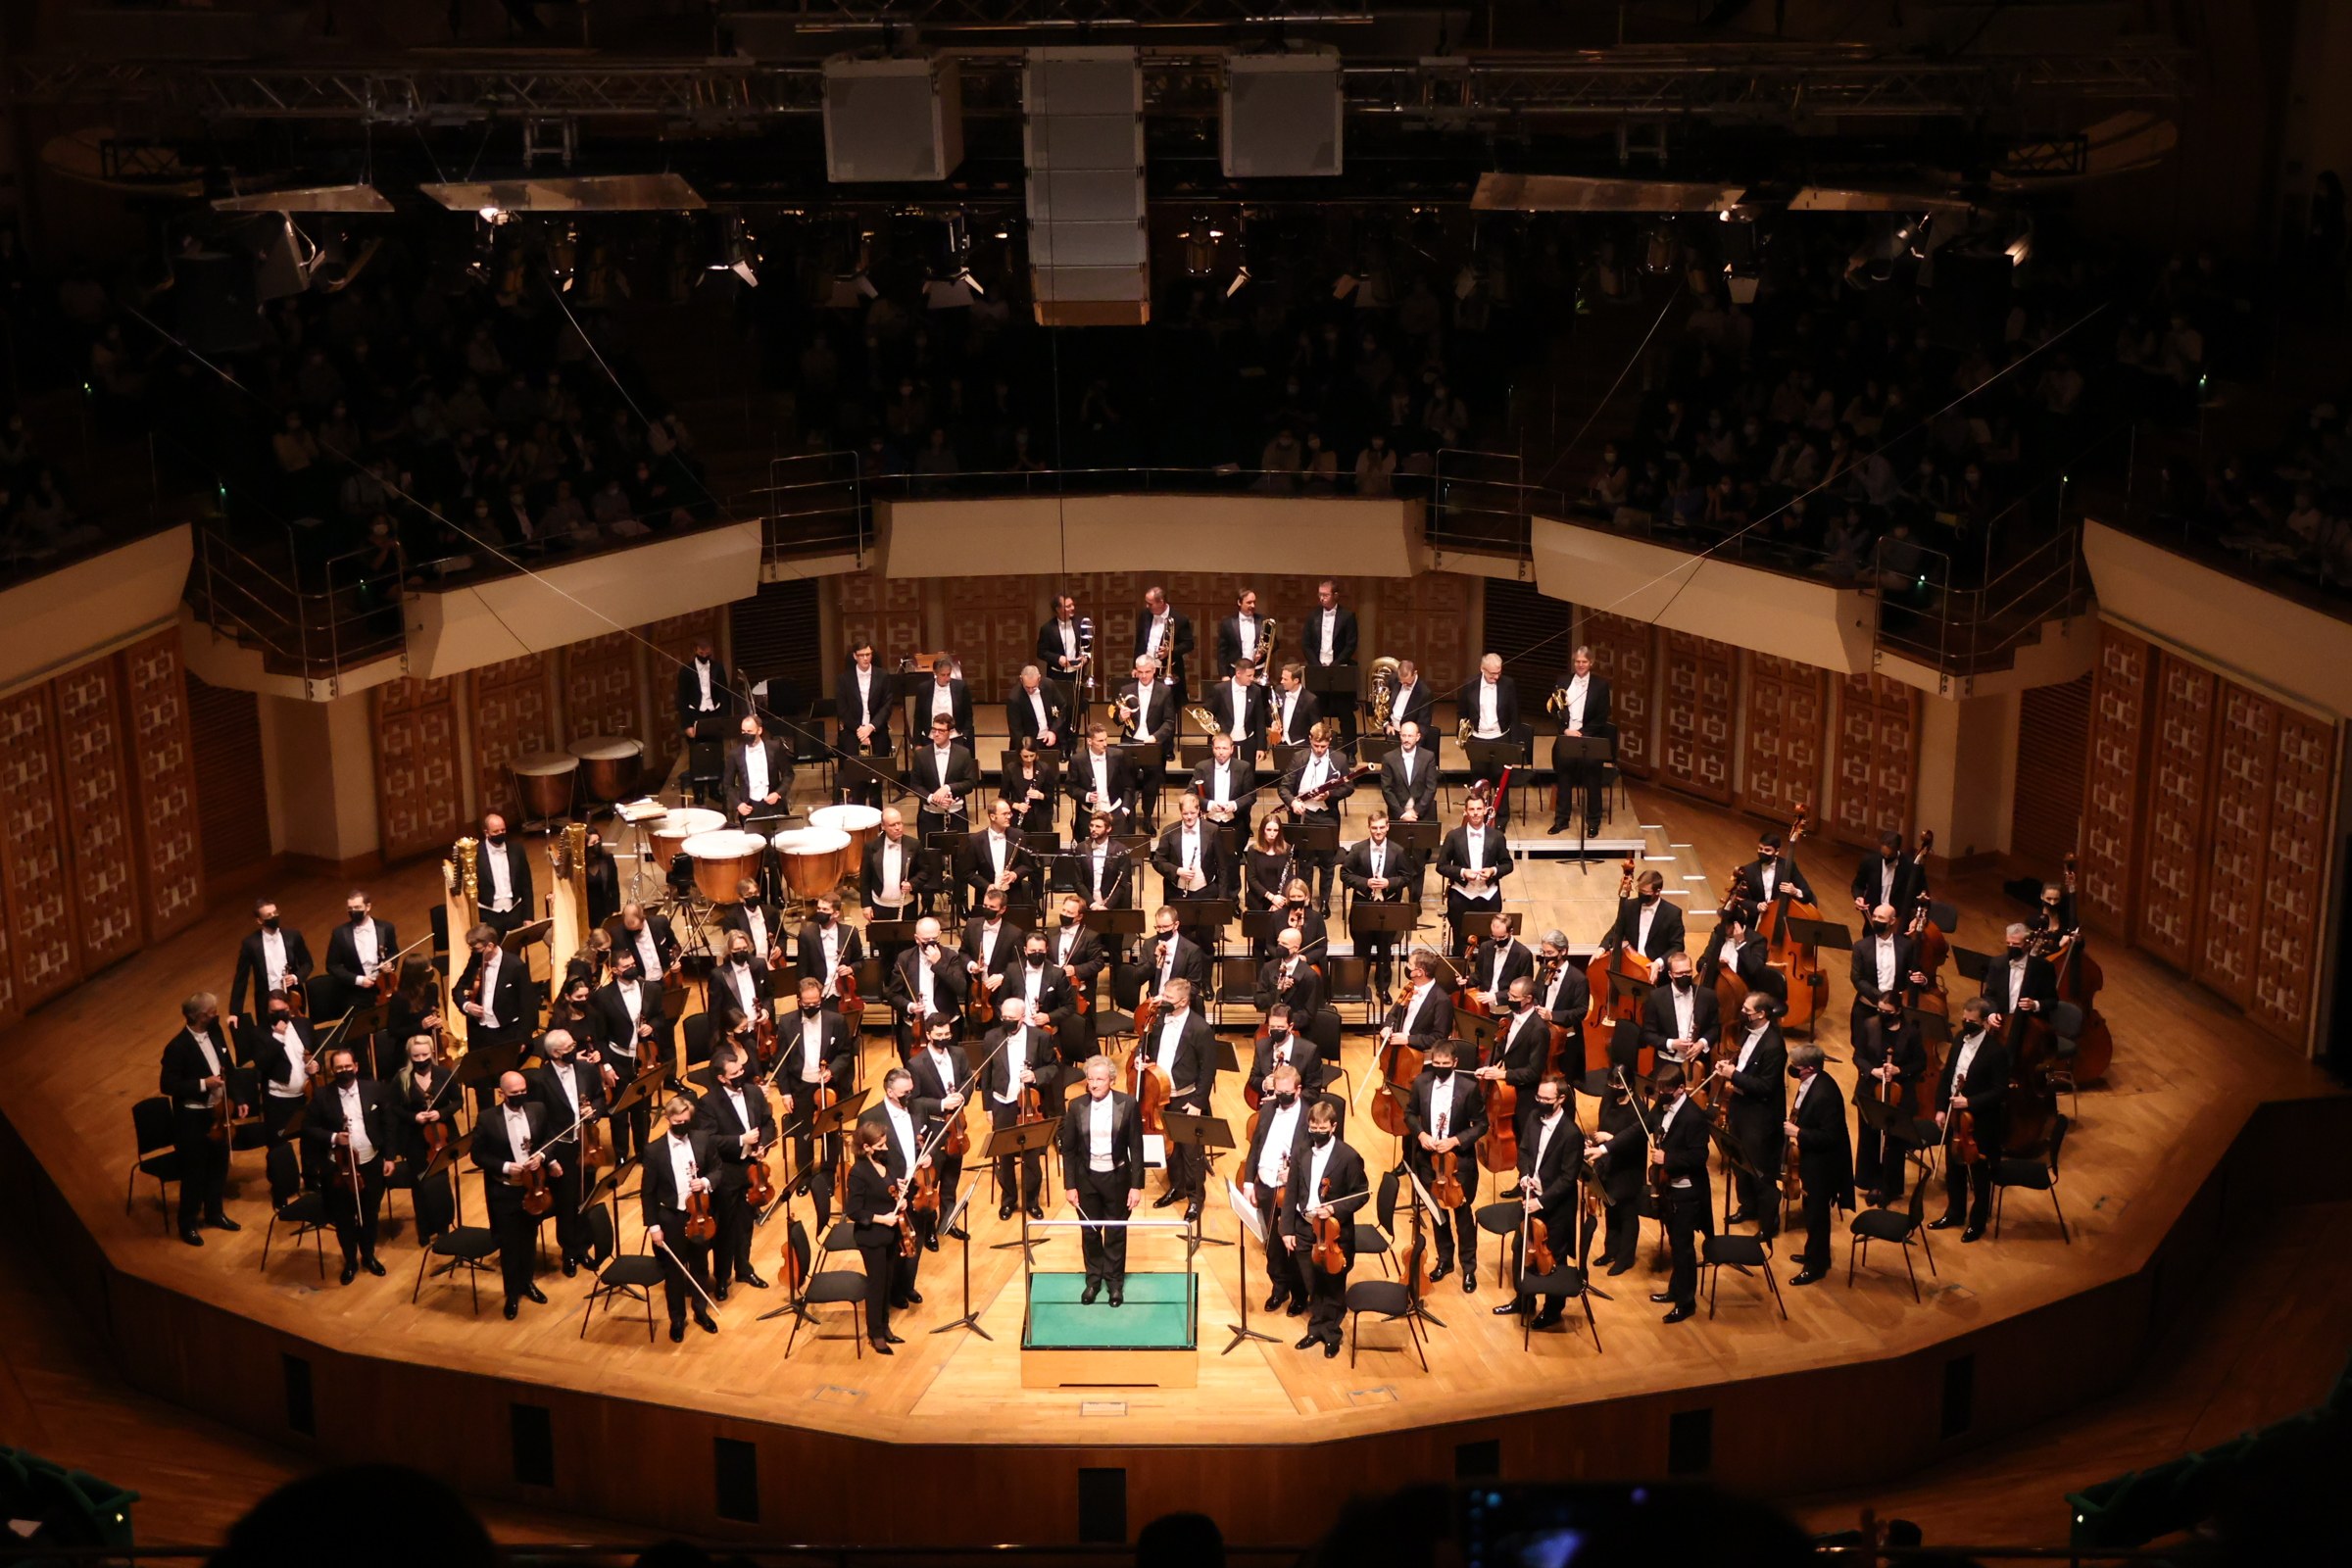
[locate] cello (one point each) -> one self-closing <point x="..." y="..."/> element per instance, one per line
<point x="1730" y="990"/>
<point x="2080" y="980"/>
<point x="1399" y="1062"/>
<point x="1603" y="1014"/>
<point x="1794" y="958"/>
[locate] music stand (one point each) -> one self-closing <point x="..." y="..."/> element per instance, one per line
<point x="1326" y="680"/>
<point x="890" y="933"/>
<point x="1023" y="1138"/>
<point x="1478" y="1031"/>
<point x="1820" y="933"/>
<point x="1127" y="921"/>
<point x="1246" y="1216"/>
<point x="1420" y="836"/>
<point x="453" y="1151"/>
<point x="1970" y="963"/>
<point x="1314" y="836"/>
<point x="1287" y="755"/>
<point x="970" y="1318"/>
<point x="1262" y="925"/>
<point x="830" y="1122"/>
<point x="1577" y="751"/>
<point x="1418" y="1196"/>
<point x="1207" y="1134"/>
<point x="1374" y="746"/>
<point x="1396" y="920"/>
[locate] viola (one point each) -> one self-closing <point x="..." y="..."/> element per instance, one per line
<point x="1446" y="1179"/>
<point x="957" y="1138"/>
<point x="537" y="1197"/>
<point x="763" y="1036"/>
<point x="1961" y="1133"/>
<point x="1499" y="1150"/>
<point x="794" y="1271"/>
<point x="1330" y="1255"/>
<point x="1792" y="1178"/>
<point x="1540" y="1261"/>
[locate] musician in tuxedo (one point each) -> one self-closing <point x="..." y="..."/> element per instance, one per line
<point x="739" y="984"/>
<point x="1277" y="1143"/>
<point x="1294" y="710"/>
<point x="990" y="857"/>
<point x="1647" y="923"/>
<point x="1583" y="701"/>
<point x="863" y="695"/>
<point x="1099" y="870"/>
<point x="195" y="1078"/>
<point x="572" y="1091"/>
<point x="1408" y="777"/>
<point x="1472" y="861"/>
<point x="943" y="776"/>
<point x="1445" y="1113"/>
<point x="1285" y="1044"/>
<point x="1169" y="958"/>
<point x="1563" y="992"/>
<point x="1378" y="872"/>
<point x="991" y="950"/>
<point x="1327" y="642"/>
<point x="1100" y="1140"/>
<point x="1290" y="979"/>
<point x="1100" y="780"/>
<point x="1617" y="1153"/>
<point x="1240" y="707"/>
<point x="1681" y="1019"/>
<point x="707" y="701"/>
<point x="503" y="873"/>
<point x="1753" y="1067"/>
<point x="282" y="1048"/>
<point x="1825" y="1156"/>
<point x="1080" y="956"/>
<point x="1242" y="635"/>
<point x="926" y="979"/>
<point x="874" y="1209"/>
<point x="1225" y="785"/>
<point x="1191" y="859"/>
<point x="1037" y="980"/>
<point x="758" y="780"/>
<point x="1882" y="966"/>
<point x="1890" y="878"/>
<point x="1890" y="1059"/>
<point x="1328" y="1180"/>
<point x="1164" y="635"/>
<point x="1313" y="791"/>
<point x="1180" y="1042"/>
<point x="356" y="951"/>
<point x="1035" y="712"/>
<point x="1490" y="700"/>
<point x="1975" y="1080"/>
<point x="1774" y="873"/>
<point x="756" y="918"/>
<point x="1736" y="947"/>
<point x="674" y="1170"/>
<point x="274" y="957"/>
<point x="1412" y="699"/>
<point x="944" y="696"/>
<point x="1681" y="1151"/>
<point x="1552" y="1162"/>
<point x="825" y="949"/>
<point x="893" y="881"/>
<point x="496" y="992"/>
<point x="651" y="937"/>
<point x="2020" y="980"/>
<point x="1427" y="1013"/>
<point x="1499" y="958"/>
<point x="507" y="1147"/>
<point x="904" y="1137"/>
<point x="1019" y="1057"/>
<point x="1061" y="647"/>
<point x="1522" y="1046"/>
<point x="633" y="1034"/>
<point x="743" y="1129"/>
<point x="603" y="879"/>
<point x="941" y="1071"/>
<point x="815" y="1050"/>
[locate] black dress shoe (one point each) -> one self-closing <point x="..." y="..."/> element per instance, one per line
<point x="1947" y="1223"/>
<point x="959" y="1232"/>
<point x="533" y="1292"/>
<point x="1620" y="1267"/>
<point x="931" y="1243"/>
<point x="914" y="1298"/>
<point x="1171" y="1196"/>
<point x="1603" y="1260"/>
<point x="719" y="1292"/>
<point x="1094" y="1289"/>
<point x="1004" y="1211"/>
<point x="1544" y="1320"/>
<point x="1297" y="1309"/>
<point x="1661" y="1296"/>
<point x="1740" y="1218"/>
<point x="1506" y="1309"/>
<point x="1808" y="1275"/>
<point x="677" y="1333"/>
<point x="706" y="1322"/>
<point x="1036" y="1213"/>
<point x="1556" y="829"/>
<point x="191" y="1237"/>
<point x="1680" y="1313"/>
<point x="372" y="1266"/>
<point x="1192" y="1212"/>
<point x="512" y="1309"/>
<point x="893" y="1338"/>
<point x="351" y="1271"/>
<point x="221" y="1222"/>
<point x="1975" y="1233"/>
<point x="1440" y="1272"/>
<point x="1274" y="1301"/>
<point x="1119" y="1295"/>
<point x="572" y="1266"/>
<point x="1469" y="1278"/>
<point x="751" y="1279"/>
<point x="1330" y="1349"/>
<point x="1310" y="1343"/>
<point x="882" y="1348"/>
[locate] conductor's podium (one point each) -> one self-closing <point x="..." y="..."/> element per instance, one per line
<point x="1152" y="1340"/>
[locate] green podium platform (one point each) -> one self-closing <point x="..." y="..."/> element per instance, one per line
<point x="1151" y="1340"/>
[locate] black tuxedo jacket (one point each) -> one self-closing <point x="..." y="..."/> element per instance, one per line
<point x="1420" y="708"/>
<point x="1192" y="1067"/>
<point x="1176" y="658"/>
<point x="1506" y="702"/>
<point x="1825" y="1150"/>
<point x="1241" y="785"/>
<point x="1073" y="1138"/>
<point x="1305" y="709"/>
<point x="1555" y="1173"/>
<point x="2041" y="984"/>
<point x="1344" y="1177"/>
<point x="1482" y="974"/>
<point x="1910" y="881"/>
<point x="1467" y="1121"/>
<point x="1191" y="964"/>
<point x="690" y="693"/>
<point x="1004" y="957"/>
<point x="1686" y="1143"/>
<point x="550" y="1094"/>
<point x="1343" y="637"/>
<point x="1292" y="782"/>
<point x="808" y="952"/>
<point x="270" y="1063"/>
<point x="962" y="778"/>
<point x="1229" y="644"/>
<point x="1706" y="1015"/>
<point x="492" y="1152"/>
<point x="873" y="707"/>
<point x="996" y="1078"/>
<point x="1788" y="875"/>
<point x="1078" y="782"/>
<point x="1159" y="715"/>
<point x="730" y="1165"/>
<point x="1596" y="703"/>
<point x="1754" y="966"/>
<point x="739" y="777"/>
<point x="1986" y="1081"/>
<point x="836" y="1047"/>
<point x="1665" y="928"/>
<point x="922" y="695"/>
<point x="1304" y="993"/>
<point x="931" y="1086"/>
<point x="1020" y="715"/>
<point x="1077" y="874"/>
<point x="512" y="999"/>
<point x="1524" y="1051"/>
<point x="949" y="982"/>
<point x="322" y="1118"/>
<point x="1568" y="1004"/>
<point x="1218" y="698"/>
<point x="722" y="997"/>
<point x="1086" y="956"/>
<point x="1216" y="870"/>
<point x="665" y="944"/>
<point x="251" y="967"/>
<point x="518" y="875"/>
<point x="613" y="1028"/>
<point x="913" y="880"/>
<point x="1864" y="970"/>
<point x="661" y="1200"/>
<point x="1454" y="859"/>
<point x="1305" y="1055"/>
<point x="1247" y="1173"/>
<point x="975" y="872"/>
<point x="1420" y="791"/>
<point x="343" y="951"/>
<point x="1048" y="650"/>
<point x="738" y="917"/>
<point x="1435" y="1020"/>
<point x="1625" y="1152"/>
<point x="1763" y="1084"/>
<point x="1401" y="866"/>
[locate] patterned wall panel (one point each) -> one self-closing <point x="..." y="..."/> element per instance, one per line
<point x="601" y="691"/>
<point x="1876" y="769"/>
<point x="2245" y="753"/>
<point x="420" y="804"/>
<point x="1427" y="619"/>
<point x="1626" y="653"/>
<point x="163" y="751"/>
<point x="1113" y="598"/>
<point x="1787" y="720"/>
<point x="992" y="627"/>
<point x="510" y="720"/>
<point x="2112" y="778"/>
<point x="1697" y="721"/>
<point x="2295" y="858"/>
<point x="40" y="915"/>
<point x="887" y="611"/>
<point x="2180" y="717"/>
<point x="95" y="770"/>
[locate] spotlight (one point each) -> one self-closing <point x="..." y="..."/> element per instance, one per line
<point x="737" y="252"/>
<point x="1199" y="239"/>
<point x="1239" y="279"/>
<point x="951" y="285"/>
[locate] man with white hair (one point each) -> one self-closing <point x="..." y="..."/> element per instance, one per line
<point x="1102" y="1145"/>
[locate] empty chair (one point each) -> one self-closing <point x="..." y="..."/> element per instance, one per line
<point x="2038" y="1171"/>
<point x="1719" y="1253"/>
<point x="1900" y="1226"/>
<point x="151" y="1127"/>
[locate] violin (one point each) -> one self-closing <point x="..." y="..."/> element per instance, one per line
<point x="1499" y="1150"/>
<point x="853" y="1006"/>
<point x="922" y="1193"/>
<point x="1330" y="1255"/>
<point x="957" y="1138"/>
<point x="763" y="1036"/>
<point x="906" y="1220"/>
<point x="1445" y="1180"/>
<point x="1793" y="1178"/>
<point x="1960" y="1132"/>
<point x="593" y="1152"/>
<point x="537" y="1197"/>
<point x="796" y="1271"/>
<point x="700" y="1225"/>
<point x="1537" y="1250"/>
<point x="762" y="1188"/>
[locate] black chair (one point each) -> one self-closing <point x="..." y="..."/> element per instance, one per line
<point x="151" y="1126"/>
<point x="1373" y="1240"/>
<point x="1237" y="984"/>
<point x="827" y="1287"/>
<point x="1565" y="1279"/>
<point x="1744" y="1251"/>
<point x="464" y="1246"/>
<point x="1351" y="982"/>
<point x="2066" y="1023"/>
<point x="1900" y="1227"/>
<point x="635" y="1275"/>
<point x="1392" y="1300"/>
<point x="2038" y="1171"/>
<point x="306" y="1213"/>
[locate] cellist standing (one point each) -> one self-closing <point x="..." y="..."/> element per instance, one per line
<point x="1550" y="1161"/>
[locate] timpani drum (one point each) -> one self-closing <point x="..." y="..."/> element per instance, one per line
<point x="721" y="862"/>
<point x="544" y="780"/>
<point x="674" y="828"/>
<point x="860" y="822"/>
<point x="814" y="859"/>
<point x="610" y="763"/>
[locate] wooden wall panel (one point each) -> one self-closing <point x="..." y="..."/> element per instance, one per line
<point x="1877" y="767"/>
<point x="992" y="627"/>
<point x="1698" y="709"/>
<point x="887" y="612"/>
<point x="1427" y="619"/>
<point x="2045" y="808"/>
<point x="510" y="720"/>
<point x="2180" y="715"/>
<point x="1788" y="728"/>
<point x="2111" y="783"/>
<point x="601" y="693"/>
<point x="45" y="943"/>
<point x="1626" y="653"/>
<point x="420" y="804"/>
<point x="94" y="767"/>
<point x="2292" y="891"/>
<point x="163" y="758"/>
<point x="2244" y="754"/>
<point x="1113" y="598"/>
<point x="224" y="728"/>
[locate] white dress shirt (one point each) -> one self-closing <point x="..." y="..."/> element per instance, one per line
<point x="502" y="877"/>
<point x="273" y="960"/>
<point x="1489" y="726"/>
<point x="681" y="1167"/>
<point x="754" y="768"/>
<point x="1099" y="1113"/>
<point x="1273" y="1155"/>
<point x="1578" y="688"/>
<point x="1328" y="621"/>
<point x="942" y="699"/>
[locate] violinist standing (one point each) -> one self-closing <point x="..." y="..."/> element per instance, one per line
<point x="1550" y="1158"/>
<point x="939" y="1069"/>
<point x="1277" y="1143"/>
<point x="195" y="1079"/>
<point x="1019" y="1057"/>
<point x="1889" y="1059"/>
<point x="1975" y="1077"/>
<point x="872" y="1208"/>
<point x="1446" y="1114"/>
<point x="903" y="1153"/>
<point x="1100" y="1140"/>
<point x="1825" y="1158"/>
<point x="814" y="1048"/>
<point x="1753" y="1069"/>
<point x="1182" y="1046"/>
<point x="506" y="1145"/>
<point x="1619" y="1153"/>
<point x="1680" y="1149"/>
<point x="1327" y="1179"/>
<point x="571" y="1090"/>
<point x="736" y="1113"/>
<point x="674" y="1171"/>
<point x="351" y="1113"/>
<point x="428" y="1096"/>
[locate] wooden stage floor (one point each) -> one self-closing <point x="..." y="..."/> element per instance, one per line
<point x="1873" y="1367"/>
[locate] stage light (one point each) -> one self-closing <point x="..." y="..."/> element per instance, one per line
<point x="492" y="215"/>
<point x="1239" y="279"/>
<point x="737" y="252"/>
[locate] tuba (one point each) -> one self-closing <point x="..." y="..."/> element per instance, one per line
<point x="1380" y="694"/>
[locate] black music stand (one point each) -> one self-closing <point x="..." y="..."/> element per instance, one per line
<point x="1201" y="914"/>
<point x="1318" y="836"/>
<point x="452" y="1154"/>
<point x="1421" y="836"/>
<point x="1478" y="1030"/>
<point x="523" y="936"/>
<point x="1023" y="1138"/>
<point x="1207" y="1134"/>
<point x="970" y="1318"/>
<point x="832" y="1121"/>
<point x="1373" y="746"/>
<point x="1287" y="755"/>
<point x="1331" y="680"/>
<point x="1245" y="1215"/>
<point x="1970" y="963"/>
<point x="890" y="933"/>
<point x="1577" y="751"/>
<point x="1262" y="925"/>
<point x="1820" y="933"/>
<point x="1370" y="917"/>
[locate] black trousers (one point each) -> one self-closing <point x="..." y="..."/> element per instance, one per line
<point x="1326" y="1294"/>
<point x="1757" y="1131"/>
<point x="889" y="1276"/>
<point x="1971" y="1193"/>
<point x="1689" y="1216"/>
<point x="682" y="1259"/>
<point x="1284" y="1267"/>
<point x="628" y="1130"/>
<point x="810" y="1152"/>
<point x="353" y="1215"/>
<point x="1457" y="1228"/>
<point x="509" y="921"/>
<point x="1816" y="1209"/>
<point x="202" y="1167"/>
<point x="1102" y="1194"/>
<point x="1031" y="1181"/>
<point x="1621" y="1232"/>
<point x="951" y="1176"/>
<point x="1187" y="1164"/>
<point x="1573" y="779"/>
<point x="518" y="1233"/>
<point x="283" y="1162"/>
<point x="731" y="1206"/>
<point x="1879" y="1161"/>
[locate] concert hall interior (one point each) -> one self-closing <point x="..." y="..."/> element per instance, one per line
<point x="1350" y="783"/>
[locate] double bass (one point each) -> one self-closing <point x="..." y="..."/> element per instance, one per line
<point x="1794" y="958"/>
<point x="1604" y="1013"/>
<point x="2080" y="980"/>
<point x="1730" y="990"/>
<point x="1398" y="1062"/>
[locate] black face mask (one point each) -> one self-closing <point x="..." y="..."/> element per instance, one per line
<point x="1548" y="1111"/>
<point x="810" y="1010"/>
<point x="1648" y="899"/>
<point x="1286" y="1100"/>
<point x="625" y="976"/>
<point x="1278" y="1036"/>
<point x="1319" y="1139"/>
<point x="497" y="841"/>
<point x="740" y="960"/>
<point x="271" y="924"/>
<point x="1037" y="960"/>
<point x="943" y="1042"/>
<point x="1798" y="1076"/>
<point x="1441" y="1073"/>
<point x="515" y="1100"/>
<point x="1683" y="982"/>
<point x="1879" y="928"/>
<point x="278" y="1016"/>
<point x="2016" y="952"/>
<point x="824" y="917"/>
<point x="930" y="950"/>
<point x="347" y="1077"/>
<point x="358" y="918"/>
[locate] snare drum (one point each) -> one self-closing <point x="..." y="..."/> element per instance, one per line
<point x="814" y="859"/>
<point x="612" y="764"/>
<point x="674" y="830"/>
<point x="860" y="823"/>
<point x="544" y="780"/>
<point x="723" y="858"/>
